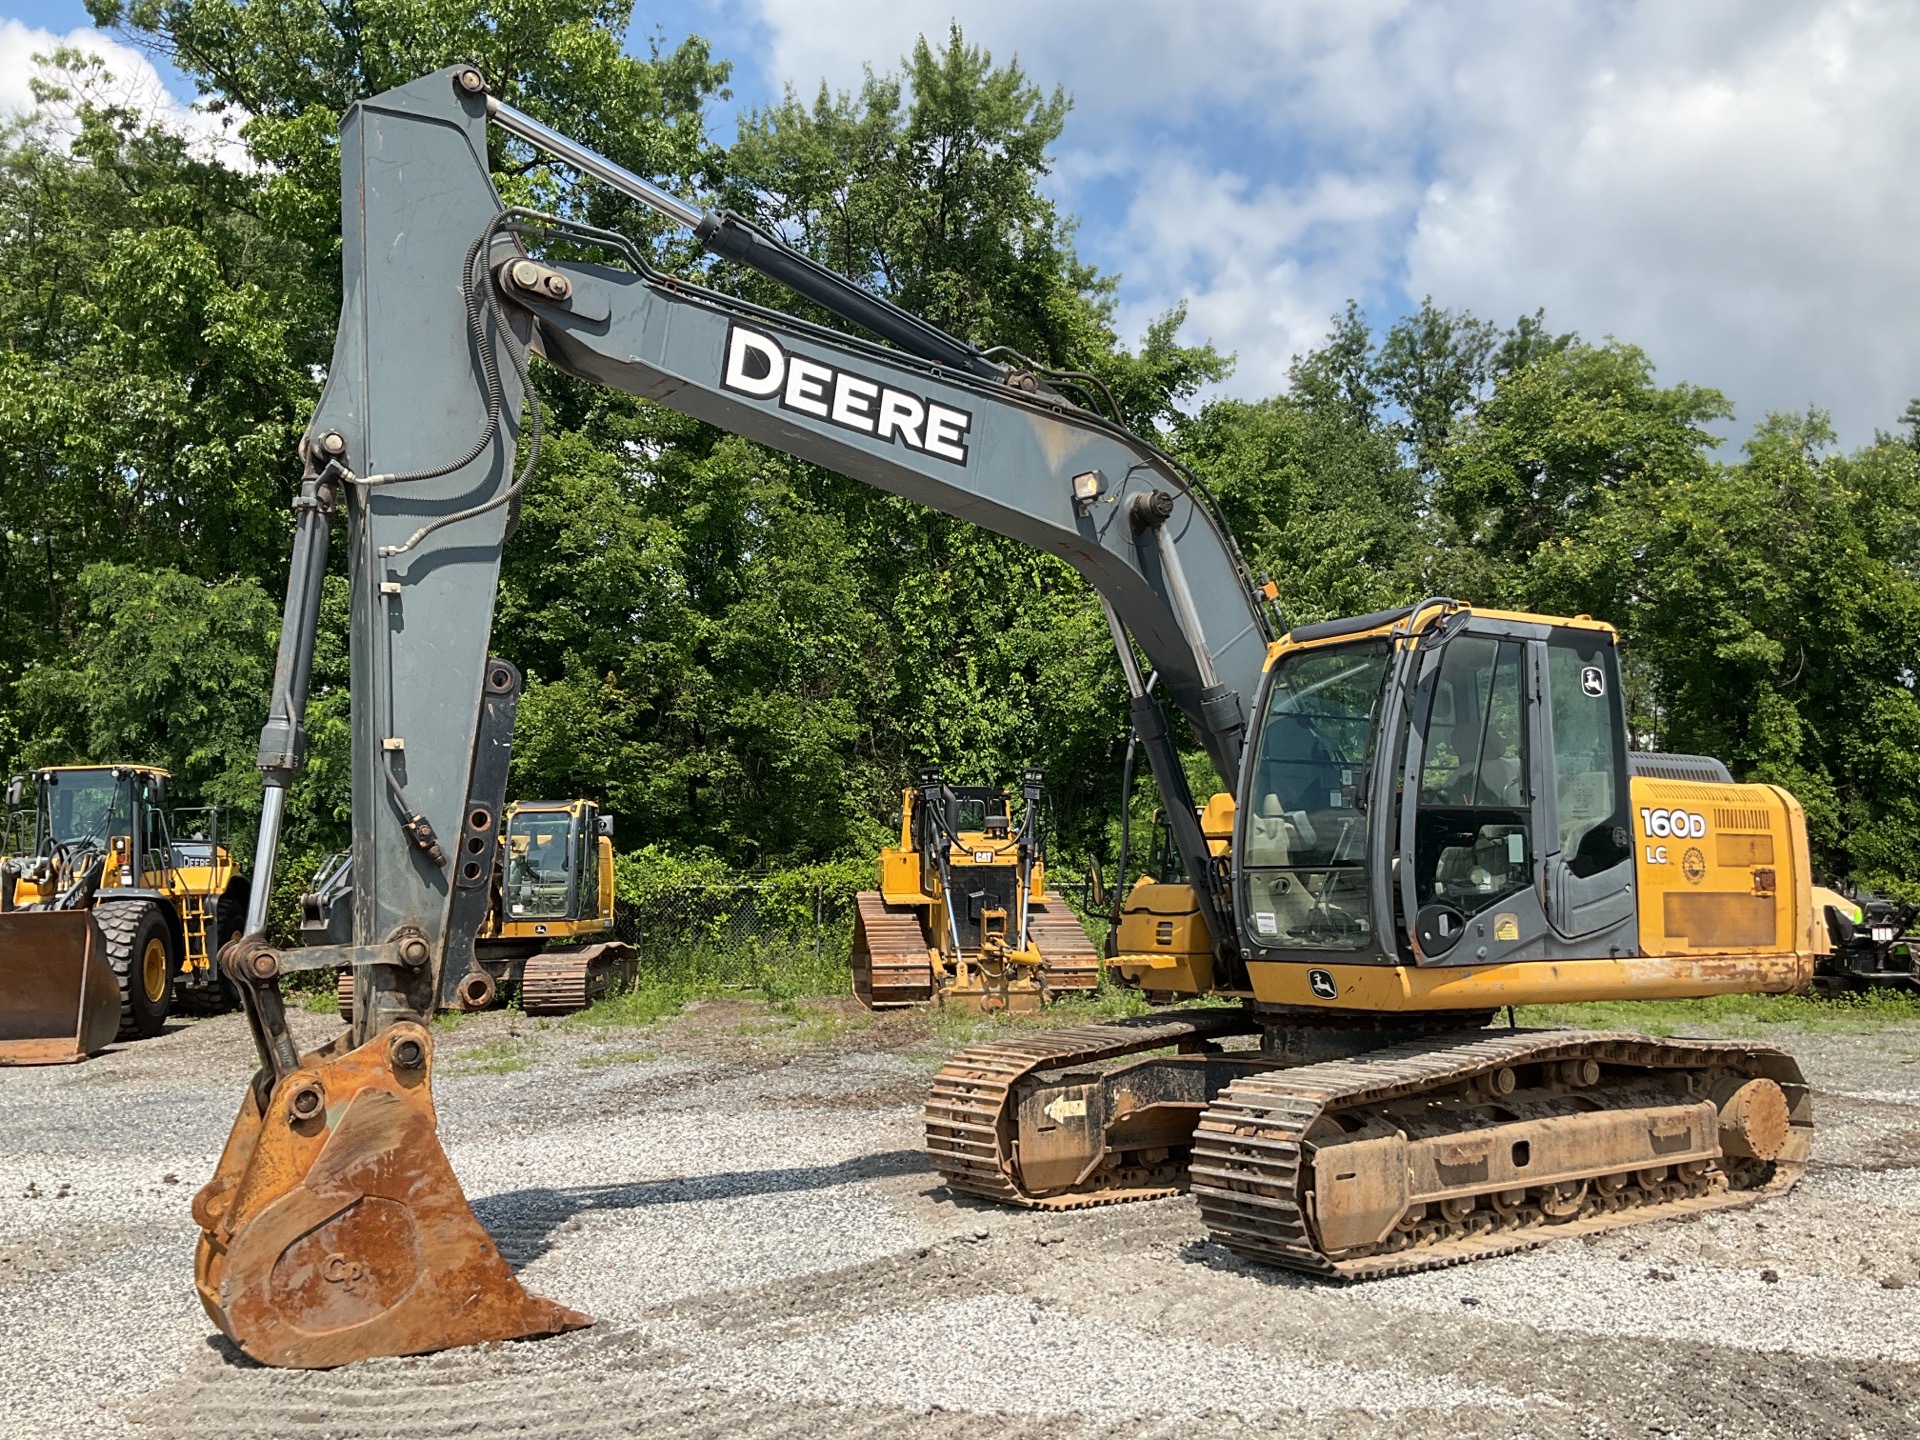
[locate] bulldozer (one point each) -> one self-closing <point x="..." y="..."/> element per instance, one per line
<point x="963" y="915"/>
<point x="555" y="883"/>
<point x="1423" y="817"/>
<point x="107" y="918"/>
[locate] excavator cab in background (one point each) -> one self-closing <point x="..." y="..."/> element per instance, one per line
<point x="107" y="917"/>
<point x="554" y="883"/>
<point x="963" y="915"/>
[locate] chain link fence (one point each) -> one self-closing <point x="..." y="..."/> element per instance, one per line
<point x="786" y="930"/>
<point x="743" y="916"/>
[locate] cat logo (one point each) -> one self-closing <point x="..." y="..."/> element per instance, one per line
<point x="1322" y="984"/>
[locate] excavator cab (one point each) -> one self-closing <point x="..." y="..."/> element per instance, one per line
<point x="1437" y="792"/>
<point x="553" y="868"/>
<point x="553" y="883"/>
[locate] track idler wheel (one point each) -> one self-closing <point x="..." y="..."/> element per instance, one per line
<point x="334" y="1230"/>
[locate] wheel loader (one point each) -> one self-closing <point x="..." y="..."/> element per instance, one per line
<point x="963" y="915"/>
<point x="555" y="883"/>
<point x="1423" y="817"/>
<point x="107" y="919"/>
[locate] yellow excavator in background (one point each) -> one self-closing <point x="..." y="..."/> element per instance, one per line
<point x="555" y="883"/>
<point x="963" y="915"/>
<point x="107" y="919"/>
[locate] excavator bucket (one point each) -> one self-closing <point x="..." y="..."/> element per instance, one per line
<point x="59" y="1000"/>
<point x="334" y="1230"/>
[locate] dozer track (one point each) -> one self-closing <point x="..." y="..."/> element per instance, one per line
<point x="972" y="1121"/>
<point x="1072" y="962"/>
<point x="892" y="960"/>
<point x="1440" y="1151"/>
<point x="560" y="982"/>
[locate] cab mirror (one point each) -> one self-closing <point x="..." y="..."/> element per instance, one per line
<point x="157" y="791"/>
<point x="16" y="791"/>
<point x="604" y="826"/>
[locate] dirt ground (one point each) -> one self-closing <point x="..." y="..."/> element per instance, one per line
<point x="739" y="1196"/>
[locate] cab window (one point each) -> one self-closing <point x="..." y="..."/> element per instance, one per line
<point x="1589" y="752"/>
<point x="540" y="866"/>
<point x="1473" y="832"/>
<point x="1304" y="846"/>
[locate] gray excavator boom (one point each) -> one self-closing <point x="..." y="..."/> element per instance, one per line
<point x="333" y="1228"/>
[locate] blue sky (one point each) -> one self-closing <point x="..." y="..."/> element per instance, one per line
<point x="1727" y="183"/>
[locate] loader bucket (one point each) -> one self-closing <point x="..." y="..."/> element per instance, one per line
<point x="333" y="1229"/>
<point x="59" y="1001"/>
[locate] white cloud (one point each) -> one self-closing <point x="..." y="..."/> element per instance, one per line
<point x="130" y="79"/>
<point x="1726" y="183"/>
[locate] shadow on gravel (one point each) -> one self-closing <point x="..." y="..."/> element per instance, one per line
<point x="523" y="1222"/>
<point x="1209" y="1255"/>
<point x="231" y="1354"/>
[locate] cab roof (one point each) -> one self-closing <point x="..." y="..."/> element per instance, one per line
<point x="84" y="769"/>
<point x="1415" y="619"/>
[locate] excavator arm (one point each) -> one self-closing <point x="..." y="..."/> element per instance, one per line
<point x="334" y="1228"/>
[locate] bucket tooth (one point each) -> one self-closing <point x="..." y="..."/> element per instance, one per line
<point x="333" y="1229"/>
<point x="59" y="1000"/>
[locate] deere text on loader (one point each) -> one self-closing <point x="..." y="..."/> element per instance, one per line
<point x="963" y="915"/>
<point x="1434" y="810"/>
<point x="107" y="919"/>
<point x="555" y="884"/>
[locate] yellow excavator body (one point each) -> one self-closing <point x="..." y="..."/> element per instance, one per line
<point x="1438" y="818"/>
<point x="556" y="883"/>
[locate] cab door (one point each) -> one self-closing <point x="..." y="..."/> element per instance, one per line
<point x="1588" y="870"/>
<point x="1470" y="805"/>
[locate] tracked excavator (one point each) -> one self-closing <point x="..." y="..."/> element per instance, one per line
<point x="963" y="915"/>
<point x="553" y="882"/>
<point x="1434" y="811"/>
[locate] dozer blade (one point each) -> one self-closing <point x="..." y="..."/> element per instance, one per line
<point x="334" y="1230"/>
<point x="59" y="1000"/>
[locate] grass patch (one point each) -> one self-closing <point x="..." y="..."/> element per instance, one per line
<point x="494" y="1057"/>
<point x="600" y="1059"/>
<point x="956" y="1027"/>
<point x="317" y="1002"/>
<point x="780" y="975"/>
<point x="1853" y="1014"/>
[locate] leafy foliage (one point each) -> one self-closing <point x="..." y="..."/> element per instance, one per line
<point x="744" y="657"/>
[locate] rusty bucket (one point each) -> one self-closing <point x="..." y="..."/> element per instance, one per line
<point x="334" y="1230"/>
<point x="59" y="1000"/>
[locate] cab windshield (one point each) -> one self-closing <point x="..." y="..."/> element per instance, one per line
<point x="539" y="868"/>
<point x="1304" y="851"/>
<point x="84" y="807"/>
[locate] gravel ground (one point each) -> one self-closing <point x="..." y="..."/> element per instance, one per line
<point x="743" y="1205"/>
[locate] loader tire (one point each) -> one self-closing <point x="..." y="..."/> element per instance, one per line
<point x="230" y="911"/>
<point x="144" y="959"/>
